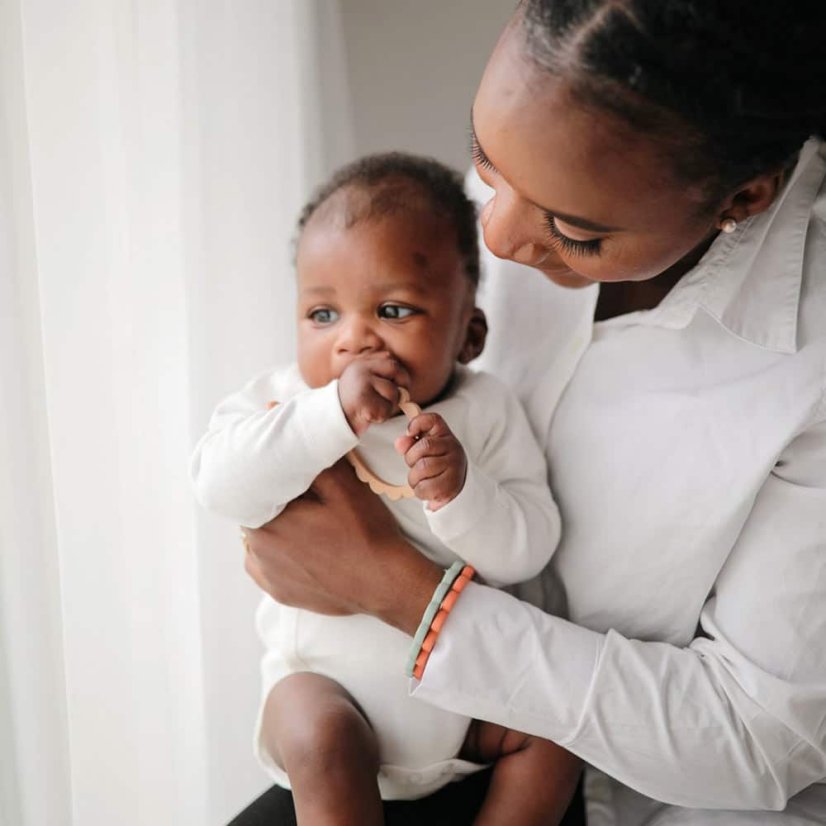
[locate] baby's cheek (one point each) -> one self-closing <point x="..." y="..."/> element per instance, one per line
<point x="314" y="366"/>
<point x="430" y="376"/>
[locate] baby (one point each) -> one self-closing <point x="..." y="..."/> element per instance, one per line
<point x="387" y="261"/>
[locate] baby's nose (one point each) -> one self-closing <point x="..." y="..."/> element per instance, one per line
<point x="358" y="337"/>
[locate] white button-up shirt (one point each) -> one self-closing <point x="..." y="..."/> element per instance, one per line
<point x="687" y="452"/>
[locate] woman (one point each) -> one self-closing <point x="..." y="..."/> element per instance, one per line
<point x="663" y="150"/>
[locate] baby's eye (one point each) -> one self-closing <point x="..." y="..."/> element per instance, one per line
<point x="395" y="311"/>
<point x="323" y="315"/>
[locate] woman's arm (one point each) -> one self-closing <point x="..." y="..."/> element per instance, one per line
<point x="338" y="550"/>
<point x="737" y="720"/>
<point x="358" y="562"/>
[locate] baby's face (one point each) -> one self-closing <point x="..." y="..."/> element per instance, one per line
<point x="394" y="283"/>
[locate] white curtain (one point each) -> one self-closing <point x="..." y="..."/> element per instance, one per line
<point x="153" y="157"/>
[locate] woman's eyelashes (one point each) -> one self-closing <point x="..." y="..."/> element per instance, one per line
<point x="478" y="156"/>
<point x="570" y="245"/>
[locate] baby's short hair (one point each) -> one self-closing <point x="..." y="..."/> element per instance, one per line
<point x="390" y="182"/>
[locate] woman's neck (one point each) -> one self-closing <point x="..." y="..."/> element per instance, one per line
<point x="621" y="297"/>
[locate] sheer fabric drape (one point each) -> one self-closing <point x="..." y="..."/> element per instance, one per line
<point x="153" y="156"/>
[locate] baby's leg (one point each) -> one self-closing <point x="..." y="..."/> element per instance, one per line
<point x="533" y="779"/>
<point x="316" y="733"/>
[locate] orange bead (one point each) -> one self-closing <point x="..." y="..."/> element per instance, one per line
<point x="438" y="621"/>
<point x="449" y="601"/>
<point x="460" y="583"/>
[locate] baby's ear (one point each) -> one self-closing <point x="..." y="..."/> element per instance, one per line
<point x="477" y="332"/>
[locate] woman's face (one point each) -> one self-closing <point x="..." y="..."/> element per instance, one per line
<point x="577" y="194"/>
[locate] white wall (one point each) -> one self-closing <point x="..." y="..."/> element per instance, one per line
<point x="413" y="67"/>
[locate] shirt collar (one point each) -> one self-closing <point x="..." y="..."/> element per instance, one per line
<point x="750" y="280"/>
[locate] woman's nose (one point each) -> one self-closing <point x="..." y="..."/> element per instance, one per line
<point x="508" y="226"/>
<point x="358" y="336"/>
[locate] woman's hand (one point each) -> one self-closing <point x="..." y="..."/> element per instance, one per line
<point x="338" y="550"/>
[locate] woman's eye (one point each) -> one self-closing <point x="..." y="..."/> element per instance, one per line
<point x="478" y="156"/>
<point x="571" y="245"/>
<point x="395" y="311"/>
<point x="323" y="315"/>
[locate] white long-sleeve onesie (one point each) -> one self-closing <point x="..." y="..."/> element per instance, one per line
<point x="253" y="461"/>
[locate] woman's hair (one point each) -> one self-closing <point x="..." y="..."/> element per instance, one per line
<point x="376" y="186"/>
<point x="731" y="88"/>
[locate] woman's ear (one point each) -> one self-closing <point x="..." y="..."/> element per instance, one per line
<point x="753" y="198"/>
<point x="477" y="332"/>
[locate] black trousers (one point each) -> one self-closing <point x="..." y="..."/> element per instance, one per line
<point x="453" y="805"/>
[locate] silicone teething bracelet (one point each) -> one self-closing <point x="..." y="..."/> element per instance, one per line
<point x="444" y="598"/>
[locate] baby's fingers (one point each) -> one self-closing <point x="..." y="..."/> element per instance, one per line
<point x="422" y="424"/>
<point x="431" y="424"/>
<point x="425" y="469"/>
<point x="427" y="435"/>
<point x="427" y="447"/>
<point x="403" y="444"/>
<point x="386" y="389"/>
<point x="380" y="403"/>
<point x="439" y="487"/>
<point x="384" y="365"/>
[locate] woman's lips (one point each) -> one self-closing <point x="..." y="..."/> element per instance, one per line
<point x="566" y="277"/>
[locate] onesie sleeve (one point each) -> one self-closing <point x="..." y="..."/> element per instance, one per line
<point x="504" y="521"/>
<point x="734" y="720"/>
<point x="252" y="460"/>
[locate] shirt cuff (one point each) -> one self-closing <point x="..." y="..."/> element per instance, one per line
<point x="500" y="659"/>
<point x="461" y="514"/>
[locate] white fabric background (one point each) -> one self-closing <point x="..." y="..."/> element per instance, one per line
<point x="153" y="156"/>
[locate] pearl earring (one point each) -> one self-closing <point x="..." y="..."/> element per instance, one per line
<point x="728" y="225"/>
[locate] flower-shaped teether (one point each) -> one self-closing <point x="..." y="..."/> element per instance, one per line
<point x="377" y="485"/>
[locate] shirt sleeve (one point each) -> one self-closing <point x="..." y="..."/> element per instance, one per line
<point x="504" y="521"/>
<point x="736" y="720"/>
<point x="253" y="461"/>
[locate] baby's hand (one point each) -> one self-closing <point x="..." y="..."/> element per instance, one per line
<point x="368" y="390"/>
<point x="436" y="459"/>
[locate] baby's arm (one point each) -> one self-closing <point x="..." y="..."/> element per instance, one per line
<point x="256" y="457"/>
<point x="253" y="460"/>
<point x="492" y="508"/>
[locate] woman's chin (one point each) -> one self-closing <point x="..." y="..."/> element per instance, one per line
<point x="566" y="278"/>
